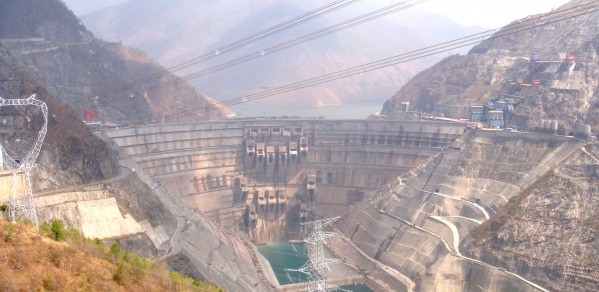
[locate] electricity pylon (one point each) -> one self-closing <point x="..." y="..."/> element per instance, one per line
<point x="23" y="203"/>
<point x="317" y="263"/>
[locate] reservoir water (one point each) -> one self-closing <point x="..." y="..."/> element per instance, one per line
<point x="283" y="255"/>
<point x="333" y="112"/>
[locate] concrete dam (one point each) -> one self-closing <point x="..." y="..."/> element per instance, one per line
<point x="259" y="174"/>
<point x="408" y="194"/>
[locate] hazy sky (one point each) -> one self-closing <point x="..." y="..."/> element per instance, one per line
<point x="485" y="13"/>
<point x="490" y="13"/>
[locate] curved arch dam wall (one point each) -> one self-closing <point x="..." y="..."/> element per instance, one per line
<point x="408" y="192"/>
<point x="265" y="175"/>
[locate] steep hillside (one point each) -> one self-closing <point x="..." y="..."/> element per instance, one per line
<point x="551" y="232"/>
<point x="61" y="259"/>
<point x="190" y="28"/>
<point x="71" y="154"/>
<point x="561" y="56"/>
<point x="84" y="72"/>
<point x="76" y="169"/>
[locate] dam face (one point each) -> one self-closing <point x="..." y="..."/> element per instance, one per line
<point x="266" y="176"/>
<point x="409" y="194"/>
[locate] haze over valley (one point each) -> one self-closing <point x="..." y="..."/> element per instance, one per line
<point x="188" y="30"/>
<point x="261" y="145"/>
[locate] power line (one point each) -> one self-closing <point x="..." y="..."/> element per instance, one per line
<point x="308" y="37"/>
<point x="320" y="11"/>
<point x="563" y="15"/>
<point x="297" y="41"/>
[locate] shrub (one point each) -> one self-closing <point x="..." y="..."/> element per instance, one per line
<point x="120" y="276"/>
<point x="72" y="234"/>
<point x="48" y="284"/>
<point x="195" y="282"/>
<point x="57" y="230"/>
<point x="115" y="249"/>
<point x="9" y="233"/>
<point x="174" y="276"/>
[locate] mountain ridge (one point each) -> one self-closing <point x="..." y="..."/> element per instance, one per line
<point x="566" y="92"/>
<point x="86" y="72"/>
<point x="348" y="48"/>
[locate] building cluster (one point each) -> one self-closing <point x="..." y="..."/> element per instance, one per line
<point x="492" y="113"/>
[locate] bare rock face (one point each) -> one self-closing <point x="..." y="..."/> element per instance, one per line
<point x="559" y="56"/>
<point x="455" y="81"/>
<point x="553" y="232"/>
<point x="84" y="72"/>
<point x="71" y="154"/>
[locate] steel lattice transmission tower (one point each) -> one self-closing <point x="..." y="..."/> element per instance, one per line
<point x="317" y="263"/>
<point x="22" y="203"/>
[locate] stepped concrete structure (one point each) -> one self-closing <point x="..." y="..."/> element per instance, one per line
<point x="409" y="194"/>
<point x="258" y="172"/>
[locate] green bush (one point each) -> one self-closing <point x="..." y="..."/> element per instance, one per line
<point x="174" y="276"/>
<point x="195" y="282"/>
<point x="72" y="234"/>
<point x="115" y="249"/>
<point x="57" y="230"/>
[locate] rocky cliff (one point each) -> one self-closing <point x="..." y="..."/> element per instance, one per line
<point x="547" y="232"/>
<point x="71" y="154"/>
<point x="551" y="230"/>
<point x="85" y="72"/>
<point x="560" y="55"/>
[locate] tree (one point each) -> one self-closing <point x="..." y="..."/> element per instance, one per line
<point x="57" y="229"/>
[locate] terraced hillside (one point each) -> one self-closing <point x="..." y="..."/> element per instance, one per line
<point x="418" y="225"/>
<point x="550" y="234"/>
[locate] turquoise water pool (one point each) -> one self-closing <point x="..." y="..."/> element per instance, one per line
<point x="282" y="255"/>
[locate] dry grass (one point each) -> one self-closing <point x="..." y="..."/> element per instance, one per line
<point x="33" y="262"/>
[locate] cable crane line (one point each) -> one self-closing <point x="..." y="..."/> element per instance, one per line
<point x="525" y="25"/>
<point x="286" y="25"/>
<point x="293" y="42"/>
